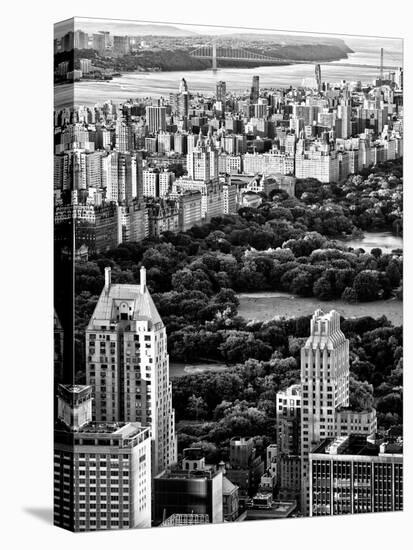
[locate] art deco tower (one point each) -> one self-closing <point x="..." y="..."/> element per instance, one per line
<point x="202" y="161"/>
<point x="127" y="365"/>
<point x="324" y="386"/>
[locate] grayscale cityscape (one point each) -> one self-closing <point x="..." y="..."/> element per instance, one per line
<point x="228" y="256"/>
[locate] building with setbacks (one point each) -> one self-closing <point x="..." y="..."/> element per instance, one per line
<point x="127" y="365"/>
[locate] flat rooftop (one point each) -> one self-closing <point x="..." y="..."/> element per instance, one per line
<point x="125" y="429"/>
<point x="188" y="474"/>
<point x="355" y="445"/>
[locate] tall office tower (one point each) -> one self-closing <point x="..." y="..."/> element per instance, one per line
<point x="221" y="94"/>
<point x="351" y="475"/>
<point x="202" y="161"/>
<point x="255" y="89"/>
<point x="324" y="387"/>
<point x="155" y="118"/>
<point x="102" y="473"/>
<point x="127" y="365"/>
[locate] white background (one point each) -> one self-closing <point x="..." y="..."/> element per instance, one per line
<point x="26" y="271"/>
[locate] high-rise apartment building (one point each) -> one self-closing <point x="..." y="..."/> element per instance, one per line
<point x="325" y="375"/>
<point x="202" y="161"/>
<point x="85" y="66"/>
<point x="102" y="471"/>
<point x="127" y="365"/>
<point x="190" y="209"/>
<point x="98" y="42"/>
<point x="350" y="475"/>
<point x="81" y="40"/>
<point x="151" y="183"/>
<point x="121" y="45"/>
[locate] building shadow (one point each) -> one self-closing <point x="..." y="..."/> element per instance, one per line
<point x="44" y="514"/>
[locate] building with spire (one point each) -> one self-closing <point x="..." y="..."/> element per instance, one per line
<point x="127" y="365"/>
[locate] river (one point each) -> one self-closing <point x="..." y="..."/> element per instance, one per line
<point x="156" y="84"/>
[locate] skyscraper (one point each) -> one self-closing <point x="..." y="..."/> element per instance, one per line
<point x="127" y="364"/>
<point x="156" y="118"/>
<point x="123" y="136"/>
<point x="255" y="89"/>
<point x="344" y="114"/>
<point x="221" y="93"/>
<point x="324" y="386"/>
<point x="183" y="100"/>
<point x="202" y="161"/>
<point x="288" y="441"/>
<point x="102" y="471"/>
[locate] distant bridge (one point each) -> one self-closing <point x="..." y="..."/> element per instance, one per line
<point x="214" y="52"/>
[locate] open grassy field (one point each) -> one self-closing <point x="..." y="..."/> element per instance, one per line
<point x="264" y="306"/>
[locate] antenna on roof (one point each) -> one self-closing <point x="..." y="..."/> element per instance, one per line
<point x="107" y="279"/>
<point x="143" y="279"/>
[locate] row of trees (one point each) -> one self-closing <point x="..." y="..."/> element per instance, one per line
<point x="194" y="275"/>
<point x="288" y="244"/>
<point x="212" y="406"/>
